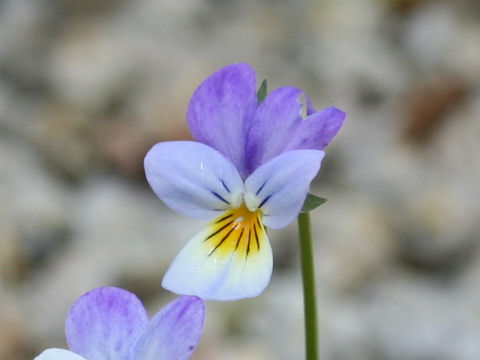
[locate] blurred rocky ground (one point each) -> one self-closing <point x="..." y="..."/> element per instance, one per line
<point x="86" y="87"/>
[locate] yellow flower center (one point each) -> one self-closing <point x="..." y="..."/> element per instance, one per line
<point x="237" y="230"/>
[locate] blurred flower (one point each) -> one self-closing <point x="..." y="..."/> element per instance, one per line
<point x="251" y="167"/>
<point x="111" y="323"/>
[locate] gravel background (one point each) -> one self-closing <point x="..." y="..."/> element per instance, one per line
<point x="87" y="87"/>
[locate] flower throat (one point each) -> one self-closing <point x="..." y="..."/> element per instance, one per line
<point x="237" y="230"/>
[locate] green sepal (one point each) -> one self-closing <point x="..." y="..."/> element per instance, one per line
<point x="311" y="202"/>
<point x="262" y="91"/>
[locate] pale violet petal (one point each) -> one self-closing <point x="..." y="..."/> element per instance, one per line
<point x="193" y="178"/>
<point x="104" y="323"/>
<point x="174" y="332"/>
<point x="279" y="187"/>
<point x="58" y="354"/>
<point x="230" y="259"/>
<point x="221" y="109"/>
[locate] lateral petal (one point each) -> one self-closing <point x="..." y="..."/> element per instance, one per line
<point x="104" y="323"/>
<point x="279" y="187"/>
<point x="193" y="178"/>
<point x="230" y="259"/>
<point x="221" y="109"/>
<point x="174" y="332"/>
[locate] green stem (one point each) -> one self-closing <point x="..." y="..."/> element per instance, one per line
<point x="308" y="278"/>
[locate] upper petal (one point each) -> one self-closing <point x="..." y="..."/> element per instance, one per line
<point x="317" y="130"/>
<point x="221" y="109"/>
<point x="174" y="332"/>
<point x="230" y="259"/>
<point x="104" y="323"/>
<point x="58" y="354"/>
<point x="278" y="127"/>
<point x="279" y="187"/>
<point x="274" y="122"/>
<point x="192" y="178"/>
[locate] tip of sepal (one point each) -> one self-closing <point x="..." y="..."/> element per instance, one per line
<point x="262" y="91"/>
<point x="312" y="202"/>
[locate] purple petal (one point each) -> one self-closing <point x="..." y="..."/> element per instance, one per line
<point x="274" y="122"/>
<point x="58" y="354"/>
<point x="220" y="111"/>
<point x="279" y="187"/>
<point x="104" y="323"/>
<point x="317" y="130"/>
<point x="193" y="179"/>
<point x="174" y="332"/>
<point x="278" y="127"/>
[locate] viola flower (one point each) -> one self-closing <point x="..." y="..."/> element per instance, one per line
<point x="250" y="168"/>
<point x="111" y="323"/>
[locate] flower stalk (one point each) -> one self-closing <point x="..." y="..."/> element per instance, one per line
<point x="309" y="293"/>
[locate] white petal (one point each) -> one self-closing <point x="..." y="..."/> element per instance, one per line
<point x="193" y="179"/>
<point x="58" y="354"/>
<point x="228" y="260"/>
<point x="279" y="186"/>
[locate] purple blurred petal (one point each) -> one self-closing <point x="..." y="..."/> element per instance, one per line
<point x="104" y="323"/>
<point x="278" y="127"/>
<point x="58" y="354"/>
<point x="220" y="111"/>
<point x="279" y="187"/>
<point x="193" y="179"/>
<point x="174" y="332"/>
